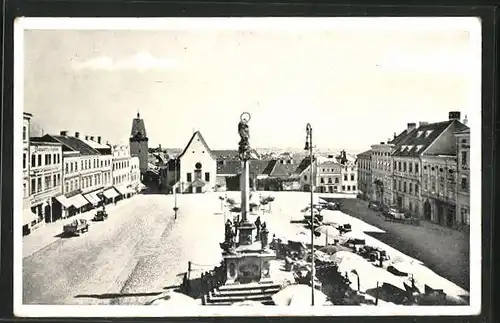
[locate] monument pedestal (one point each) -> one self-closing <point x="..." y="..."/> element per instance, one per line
<point x="249" y="264"/>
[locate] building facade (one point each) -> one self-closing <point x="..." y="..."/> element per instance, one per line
<point x="363" y="162"/>
<point x="439" y="188"/>
<point x="45" y="179"/>
<point x="26" y="161"/>
<point x="329" y="177"/>
<point x="139" y="143"/>
<point x="135" y="173"/>
<point x="434" y="145"/>
<point x="381" y="167"/>
<point x="463" y="177"/>
<point x="197" y="167"/>
<point x="121" y="165"/>
<point x="349" y="178"/>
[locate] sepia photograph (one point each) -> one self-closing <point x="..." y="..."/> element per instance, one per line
<point x="247" y="166"/>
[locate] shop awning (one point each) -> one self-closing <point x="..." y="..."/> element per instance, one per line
<point x="110" y="193"/>
<point x="28" y="216"/>
<point x="91" y="198"/>
<point x="96" y="197"/>
<point x="122" y="189"/>
<point x="64" y="201"/>
<point x="79" y="201"/>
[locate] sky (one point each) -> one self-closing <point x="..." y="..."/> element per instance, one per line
<point x="356" y="86"/>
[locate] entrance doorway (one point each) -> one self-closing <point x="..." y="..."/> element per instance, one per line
<point x="199" y="190"/>
<point x="427" y="210"/>
<point x="399" y="202"/>
<point x="450" y="216"/>
<point x="48" y="213"/>
<point x="440" y="213"/>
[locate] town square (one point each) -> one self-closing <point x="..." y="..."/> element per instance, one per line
<point x="152" y="177"/>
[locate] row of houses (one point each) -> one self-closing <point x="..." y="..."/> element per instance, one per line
<point x="423" y="170"/>
<point x="198" y="169"/>
<point x="65" y="174"/>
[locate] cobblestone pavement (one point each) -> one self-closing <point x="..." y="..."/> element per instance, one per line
<point x="129" y="258"/>
<point x="443" y="250"/>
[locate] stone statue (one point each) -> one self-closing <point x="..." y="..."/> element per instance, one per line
<point x="244" y="145"/>
<point x="264" y="236"/>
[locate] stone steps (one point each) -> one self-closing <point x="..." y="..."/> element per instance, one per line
<point x="230" y="294"/>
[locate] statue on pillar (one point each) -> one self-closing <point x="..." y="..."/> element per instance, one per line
<point x="244" y="132"/>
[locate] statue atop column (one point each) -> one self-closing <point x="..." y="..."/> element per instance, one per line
<point x="244" y="132"/>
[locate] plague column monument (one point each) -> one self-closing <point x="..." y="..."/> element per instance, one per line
<point x="247" y="258"/>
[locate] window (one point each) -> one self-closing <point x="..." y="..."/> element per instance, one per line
<point x="348" y="187"/>
<point x="404" y="167"/>
<point x="428" y="132"/>
<point x="39" y="160"/>
<point x="207" y="177"/>
<point x="464" y="184"/>
<point x="305" y="177"/>
<point x="399" y="166"/>
<point x="354" y="187"/>
<point x="464" y="158"/>
<point x="66" y="187"/>
<point x="86" y="165"/>
<point x="410" y="167"/>
<point x="33" y="186"/>
<point x="416" y="168"/>
<point x="24" y="190"/>
<point x="399" y="186"/>
<point x="395" y="164"/>
<point x="24" y="161"/>
<point x="329" y="180"/>
<point x="50" y="159"/>
<point x="416" y="189"/>
<point x="71" y="167"/>
<point x="188" y="175"/>
<point x="404" y="187"/>
<point x="48" y="182"/>
<point x="322" y="180"/>
<point x="24" y="133"/>
<point x="343" y="188"/>
<point x="336" y="180"/>
<point x="71" y="186"/>
<point x="345" y="177"/>
<point x="352" y="177"/>
<point x="33" y="160"/>
<point x="394" y="185"/>
<point x="54" y="181"/>
<point x="39" y="184"/>
<point x="410" y="188"/>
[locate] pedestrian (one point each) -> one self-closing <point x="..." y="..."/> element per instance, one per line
<point x="257" y="225"/>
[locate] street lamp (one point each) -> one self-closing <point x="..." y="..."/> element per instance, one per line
<point x="309" y="147"/>
<point x="175" y="188"/>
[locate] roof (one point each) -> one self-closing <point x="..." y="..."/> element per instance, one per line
<point x="259" y="167"/>
<point x="282" y="169"/>
<point x="329" y="164"/>
<point x="197" y="134"/>
<point x="226" y="154"/>
<point x="72" y="143"/>
<point x="138" y="127"/>
<point x="231" y="167"/>
<point x="399" y="138"/>
<point x="418" y="140"/>
<point x="95" y="145"/>
<point x="303" y="165"/>
<point x="367" y="153"/>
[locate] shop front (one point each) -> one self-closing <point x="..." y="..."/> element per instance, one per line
<point x="30" y="219"/>
<point x="110" y="195"/>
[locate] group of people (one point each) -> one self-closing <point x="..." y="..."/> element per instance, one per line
<point x="213" y="279"/>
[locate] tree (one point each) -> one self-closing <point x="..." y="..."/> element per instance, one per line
<point x="335" y="285"/>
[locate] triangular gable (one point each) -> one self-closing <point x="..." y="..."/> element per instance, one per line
<point x="197" y="134"/>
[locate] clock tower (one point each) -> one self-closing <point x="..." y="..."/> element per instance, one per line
<point x="139" y="143"/>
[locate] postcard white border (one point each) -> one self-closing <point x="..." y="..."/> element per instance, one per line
<point x="472" y="24"/>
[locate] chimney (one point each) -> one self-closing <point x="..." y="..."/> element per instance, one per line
<point x="77" y="134"/>
<point x="454" y="115"/>
<point x="411" y="126"/>
<point x="465" y="121"/>
<point x="99" y="139"/>
<point x="395" y="135"/>
<point x="382" y="143"/>
<point x="92" y="138"/>
<point x="86" y="137"/>
<point x="422" y="123"/>
<point x="64" y="133"/>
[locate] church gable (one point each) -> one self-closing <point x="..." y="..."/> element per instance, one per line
<point x="197" y="145"/>
<point x="138" y="128"/>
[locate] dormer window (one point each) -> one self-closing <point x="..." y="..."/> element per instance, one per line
<point x="410" y="147"/>
<point x="419" y="147"/>
<point x="419" y="133"/>
<point x="427" y="133"/>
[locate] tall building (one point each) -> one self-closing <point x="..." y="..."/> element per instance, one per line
<point x="26" y="161"/>
<point x="420" y="161"/>
<point x="139" y="143"/>
<point x="463" y="176"/>
<point x="349" y="172"/>
<point x="364" y="165"/>
<point x="381" y="176"/>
